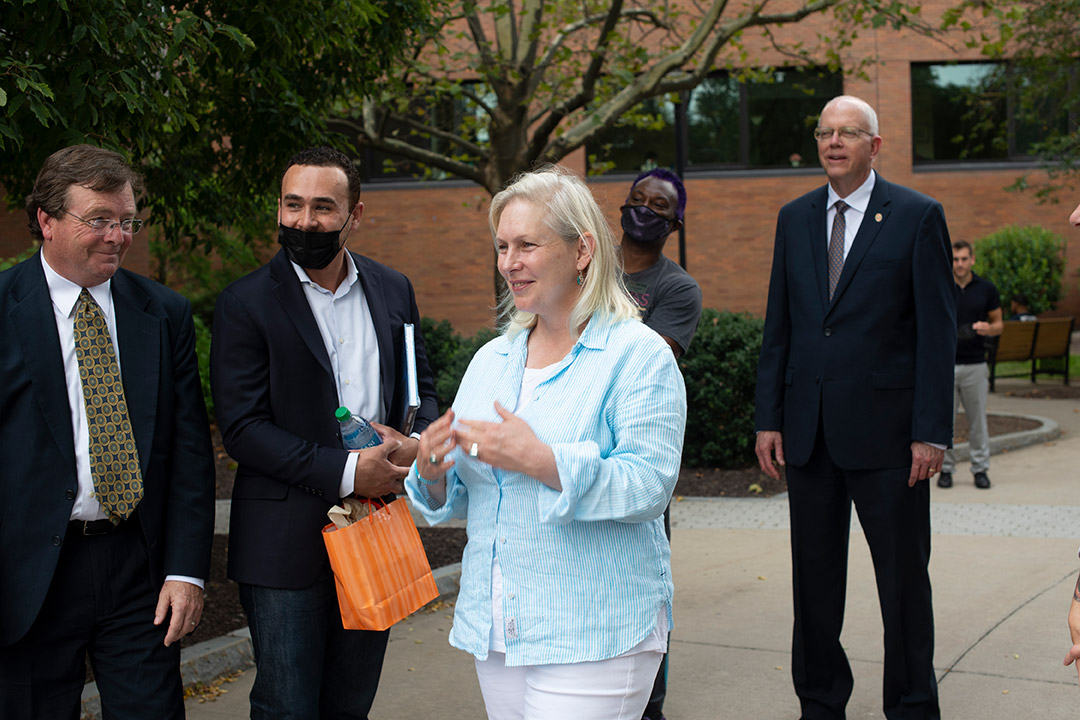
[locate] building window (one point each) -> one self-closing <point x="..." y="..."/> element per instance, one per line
<point x="969" y="112"/>
<point x="729" y="125"/>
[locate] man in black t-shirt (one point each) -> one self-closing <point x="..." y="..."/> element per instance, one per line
<point x="669" y="298"/>
<point x="978" y="316"/>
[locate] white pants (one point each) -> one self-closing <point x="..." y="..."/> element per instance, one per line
<point x="615" y="689"/>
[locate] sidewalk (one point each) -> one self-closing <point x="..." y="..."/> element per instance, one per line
<point x="1004" y="566"/>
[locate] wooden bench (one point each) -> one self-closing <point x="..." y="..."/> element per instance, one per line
<point x="1043" y="343"/>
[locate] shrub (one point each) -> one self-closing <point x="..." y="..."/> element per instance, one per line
<point x="1027" y="260"/>
<point x="720" y="370"/>
<point x="448" y="356"/>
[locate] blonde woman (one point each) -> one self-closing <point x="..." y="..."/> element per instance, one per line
<point x="562" y="449"/>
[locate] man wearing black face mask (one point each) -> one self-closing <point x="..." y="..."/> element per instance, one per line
<point x="669" y="298"/>
<point x="316" y="328"/>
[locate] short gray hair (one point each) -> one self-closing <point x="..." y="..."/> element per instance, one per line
<point x="862" y="105"/>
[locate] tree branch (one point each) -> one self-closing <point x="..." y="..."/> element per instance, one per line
<point x="417" y="154"/>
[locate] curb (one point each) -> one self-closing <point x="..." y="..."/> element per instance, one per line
<point x="209" y="660"/>
<point x="1049" y="430"/>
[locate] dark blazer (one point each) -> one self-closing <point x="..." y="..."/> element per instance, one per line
<point x="156" y="342"/>
<point x="275" y="396"/>
<point x="875" y="363"/>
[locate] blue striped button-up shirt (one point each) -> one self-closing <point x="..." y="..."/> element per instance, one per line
<point x="585" y="570"/>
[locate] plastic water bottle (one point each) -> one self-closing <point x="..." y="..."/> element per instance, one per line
<point x="356" y="432"/>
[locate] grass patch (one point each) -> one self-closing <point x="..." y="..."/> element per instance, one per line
<point x="1022" y="368"/>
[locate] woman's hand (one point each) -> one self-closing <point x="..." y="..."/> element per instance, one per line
<point x="509" y="445"/>
<point x="1074" y="629"/>
<point x="436" y="442"/>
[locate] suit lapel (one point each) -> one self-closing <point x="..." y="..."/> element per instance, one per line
<point x="380" y="318"/>
<point x="868" y="231"/>
<point x="286" y="288"/>
<point x="35" y="325"/>
<point x="139" y="345"/>
<point x="818" y="244"/>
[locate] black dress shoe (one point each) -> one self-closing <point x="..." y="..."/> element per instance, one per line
<point x="982" y="481"/>
<point x="945" y="480"/>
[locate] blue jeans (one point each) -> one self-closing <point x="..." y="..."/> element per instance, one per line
<point x="307" y="666"/>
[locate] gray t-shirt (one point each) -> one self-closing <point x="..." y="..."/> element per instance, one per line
<point x="669" y="298"/>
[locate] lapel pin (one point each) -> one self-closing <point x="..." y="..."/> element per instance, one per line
<point x="877" y="218"/>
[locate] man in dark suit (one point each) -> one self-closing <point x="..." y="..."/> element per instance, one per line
<point x="316" y="328"/>
<point x="854" y="395"/>
<point x="107" y="492"/>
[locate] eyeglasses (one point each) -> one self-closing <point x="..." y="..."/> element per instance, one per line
<point x="848" y="133"/>
<point x="103" y="226"/>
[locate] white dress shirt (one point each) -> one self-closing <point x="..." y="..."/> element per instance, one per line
<point x="348" y="335"/>
<point x="853" y="216"/>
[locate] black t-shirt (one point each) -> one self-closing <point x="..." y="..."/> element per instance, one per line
<point x="669" y="298"/>
<point x="973" y="304"/>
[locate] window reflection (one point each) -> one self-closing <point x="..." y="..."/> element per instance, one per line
<point x="969" y="112"/>
<point x="757" y="123"/>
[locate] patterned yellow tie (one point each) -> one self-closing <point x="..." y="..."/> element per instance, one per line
<point x="114" y="461"/>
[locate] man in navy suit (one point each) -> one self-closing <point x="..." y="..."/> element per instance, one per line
<point x="316" y="328"/>
<point x="77" y="574"/>
<point x="854" y="397"/>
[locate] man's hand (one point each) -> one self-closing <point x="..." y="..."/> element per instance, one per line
<point x="770" y="444"/>
<point x="406" y="452"/>
<point x="376" y="475"/>
<point x="185" y="601"/>
<point x="925" y="461"/>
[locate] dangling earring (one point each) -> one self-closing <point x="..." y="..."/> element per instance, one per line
<point x="580" y="277"/>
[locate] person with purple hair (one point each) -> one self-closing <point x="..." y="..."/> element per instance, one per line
<point x="669" y="298"/>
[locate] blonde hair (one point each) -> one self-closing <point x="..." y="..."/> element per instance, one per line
<point x="571" y="211"/>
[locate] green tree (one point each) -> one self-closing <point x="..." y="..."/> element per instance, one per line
<point x="209" y="97"/>
<point x="1040" y="39"/>
<point x="497" y="87"/>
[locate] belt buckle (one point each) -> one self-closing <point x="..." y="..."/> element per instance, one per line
<point x="96" y="527"/>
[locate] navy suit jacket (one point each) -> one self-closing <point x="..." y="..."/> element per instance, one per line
<point x="156" y="342"/>
<point x="875" y="364"/>
<point x="275" y="396"/>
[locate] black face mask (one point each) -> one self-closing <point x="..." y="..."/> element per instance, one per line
<point x="644" y="225"/>
<point x="310" y="249"/>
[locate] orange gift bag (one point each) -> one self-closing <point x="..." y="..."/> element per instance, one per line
<point x="380" y="568"/>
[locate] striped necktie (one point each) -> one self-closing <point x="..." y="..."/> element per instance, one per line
<point x="836" y="247"/>
<point x="114" y="460"/>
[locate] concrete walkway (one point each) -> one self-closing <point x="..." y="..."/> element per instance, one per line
<point x="1004" y="566"/>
